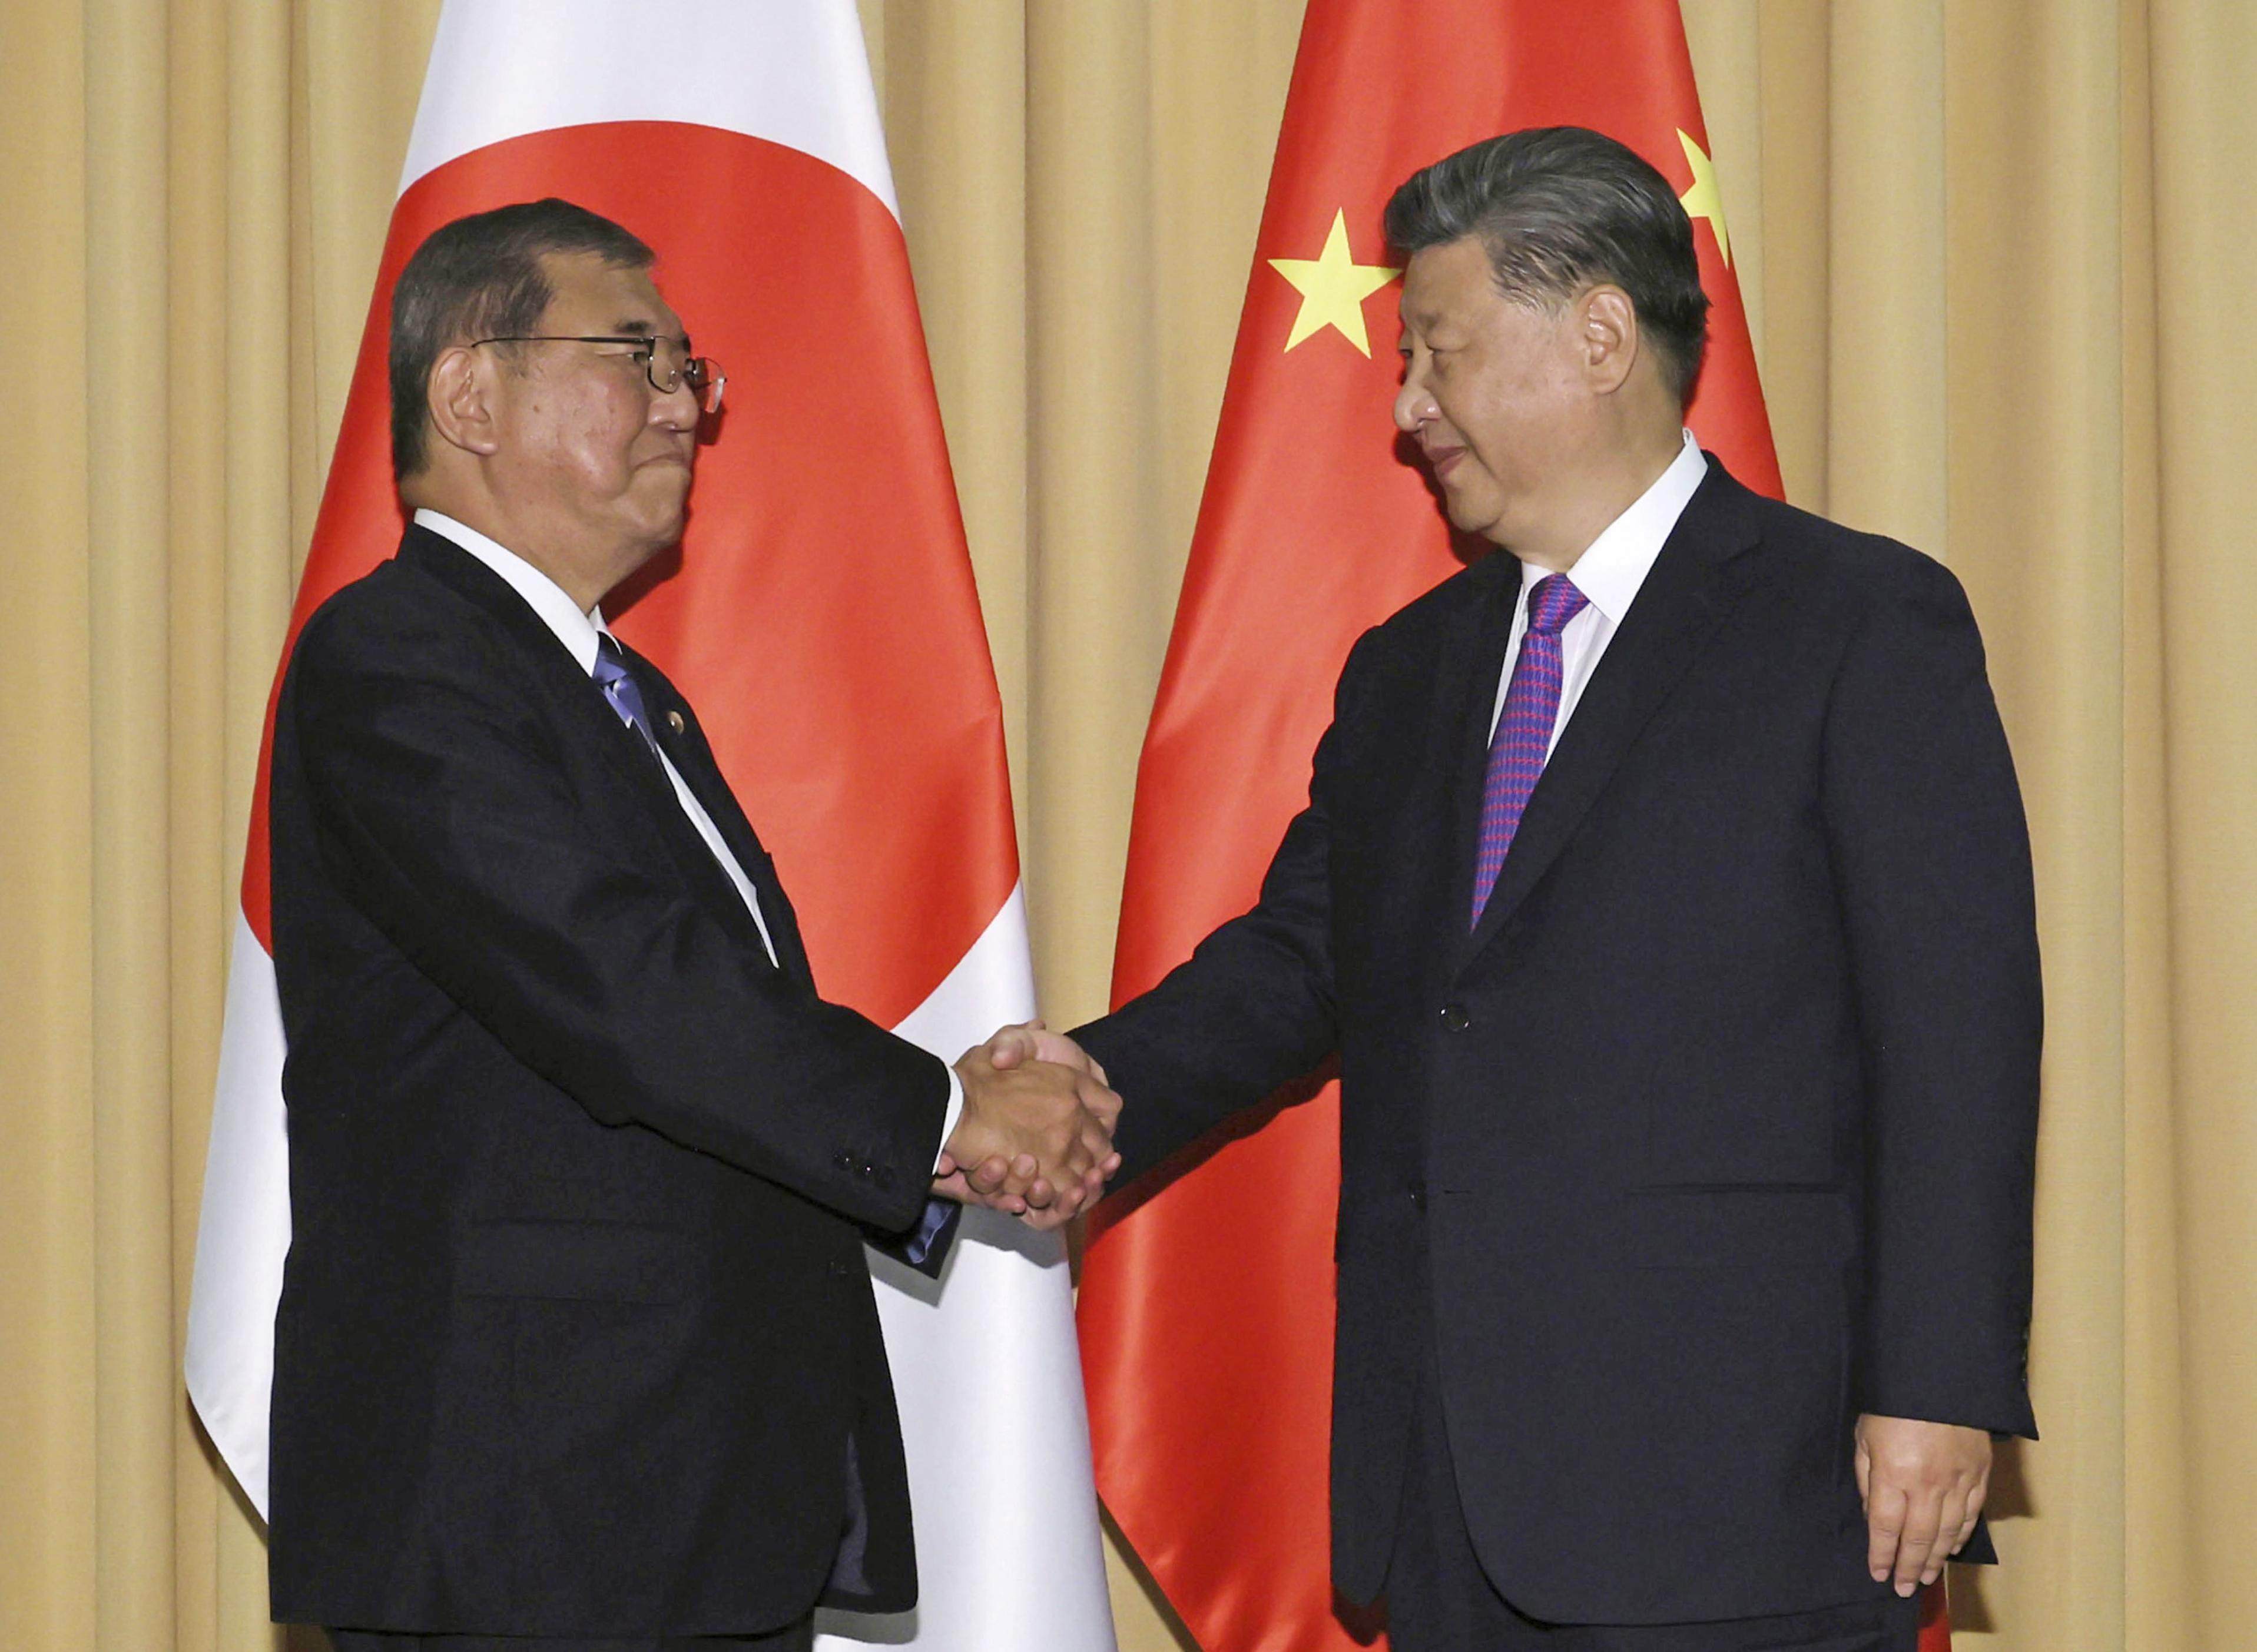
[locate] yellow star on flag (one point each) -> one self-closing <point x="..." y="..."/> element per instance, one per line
<point x="1701" y="200"/>
<point x="1333" y="288"/>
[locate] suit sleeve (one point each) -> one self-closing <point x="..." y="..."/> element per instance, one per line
<point x="1932" y="864"/>
<point x="1253" y="1009"/>
<point x="443" y="813"/>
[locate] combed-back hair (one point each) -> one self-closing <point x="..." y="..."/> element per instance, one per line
<point x="481" y="277"/>
<point x="1560" y="209"/>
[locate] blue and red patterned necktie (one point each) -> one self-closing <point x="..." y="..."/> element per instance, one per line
<point x="1524" y="730"/>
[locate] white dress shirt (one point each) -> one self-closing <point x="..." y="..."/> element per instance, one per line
<point x="1609" y="574"/>
<point x="579" y="633"/>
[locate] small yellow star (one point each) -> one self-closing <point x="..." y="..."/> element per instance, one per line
<point x="1333" y="288"/>
<point x="1701" y="200"/>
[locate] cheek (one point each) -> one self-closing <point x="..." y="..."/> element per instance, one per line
<point x="591" y="433"/>
<point x="1512" y="422"/>
<point x="1492" y="426"/>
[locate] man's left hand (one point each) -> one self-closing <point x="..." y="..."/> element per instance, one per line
<point x="1923" y="1484"/>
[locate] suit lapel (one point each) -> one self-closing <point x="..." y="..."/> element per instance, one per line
<point x="619" y="748"/>
<point x="693" y="758"/>
<point x="1692" y="583"/>
<point x="1472" y="659"/>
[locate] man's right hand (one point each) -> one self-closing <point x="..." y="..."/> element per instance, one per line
<point x="1051" y="1124"/>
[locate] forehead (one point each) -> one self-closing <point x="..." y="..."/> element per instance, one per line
<point x="588" y="294"/>
<point x="1447" y="280"/>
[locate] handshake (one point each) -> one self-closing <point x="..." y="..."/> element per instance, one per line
<point x="1035" y="1135"/>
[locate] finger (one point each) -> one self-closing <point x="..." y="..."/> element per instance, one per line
<point x="1009" y="1048"/>
<point x="1922" y="1520"/>
<point x="953" y="1186"/>
<point x="1974" y="1514"/>
<point x="1080" y="1160"/>
<point x="947" y="1166"/>
<point x="1951" y="1514"/>
<point x="1885" y="1518"/>
<point x="1865" y="1464"/>
<point x="990" y="1175"/>
<point x="1009" y="1203"/>
<point x="1040" y="1193"/>
<point x="1097" y="1135"/>
<point x="1101" y="1103"/>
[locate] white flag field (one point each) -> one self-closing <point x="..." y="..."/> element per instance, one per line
<point x="836" y="655"/>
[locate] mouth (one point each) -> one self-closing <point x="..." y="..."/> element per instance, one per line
<point x="1442" y="460"/>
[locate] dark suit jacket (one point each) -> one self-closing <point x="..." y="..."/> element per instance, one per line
<point x="1717" y="1131"/>
<point x="575" y="1334"/>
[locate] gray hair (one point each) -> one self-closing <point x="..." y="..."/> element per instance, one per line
<point x="481" y="277"/>
<point x="1559" y="210"/>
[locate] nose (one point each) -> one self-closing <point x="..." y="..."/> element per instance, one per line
<point x="1414" y="404"/>
<point x="676" y="409"/>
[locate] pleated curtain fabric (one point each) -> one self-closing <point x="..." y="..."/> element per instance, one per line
<point x="1994" y="254"/>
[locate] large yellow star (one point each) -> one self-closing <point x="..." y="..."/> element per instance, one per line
<point x="1333" y="288"/>
<point x="1701" y="200"/>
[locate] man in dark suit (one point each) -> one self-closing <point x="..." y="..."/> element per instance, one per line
<point x="1665" y="893"/>
<point x="577" y="1347"/>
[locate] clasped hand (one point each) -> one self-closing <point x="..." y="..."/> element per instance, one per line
<point x="1035" y="1135"/>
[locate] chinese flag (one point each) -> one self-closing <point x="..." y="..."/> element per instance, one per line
<point x="1207" y="1312"/>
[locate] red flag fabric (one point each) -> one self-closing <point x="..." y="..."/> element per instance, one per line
<point x="1207" y="1312"/>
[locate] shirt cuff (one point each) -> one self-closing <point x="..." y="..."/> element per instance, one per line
<point x="955" y="1111"/>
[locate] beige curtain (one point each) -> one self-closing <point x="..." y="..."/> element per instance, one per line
<point x="1997" y="256"/>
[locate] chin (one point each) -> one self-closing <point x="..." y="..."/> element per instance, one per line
<point x="1471" y="521"/>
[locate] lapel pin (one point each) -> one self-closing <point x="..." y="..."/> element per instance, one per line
<point x="674" y="721"/>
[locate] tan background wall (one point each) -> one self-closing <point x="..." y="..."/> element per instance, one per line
<point x="1996" y="254"/>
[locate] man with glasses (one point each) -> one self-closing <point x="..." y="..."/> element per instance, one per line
<point x="576" y="1348"/>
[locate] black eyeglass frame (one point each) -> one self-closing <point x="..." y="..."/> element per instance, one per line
<point x="702" y="373"/>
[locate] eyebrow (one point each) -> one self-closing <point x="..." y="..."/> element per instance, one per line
<point x="642" y="326"/>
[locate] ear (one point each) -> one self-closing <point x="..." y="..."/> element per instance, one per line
<point x="460" y="397"/>
<point x="1607" y="336"/>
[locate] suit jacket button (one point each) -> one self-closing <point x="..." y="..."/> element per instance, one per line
<point x="1454" y="1019"/>
<point x="1418" y="1197"/>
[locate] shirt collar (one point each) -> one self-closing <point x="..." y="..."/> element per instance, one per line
<point x="577" y="631"/>
<point x="1611" y="572"/>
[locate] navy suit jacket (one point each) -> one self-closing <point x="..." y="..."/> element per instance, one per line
<point x="577" y="1336"/>
<point x="1716" y="1131"/>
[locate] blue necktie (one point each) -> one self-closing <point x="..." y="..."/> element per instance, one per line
<point x="620" y="688"/>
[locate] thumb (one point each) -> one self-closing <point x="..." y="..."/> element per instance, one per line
<point x="1011" y="1045"/>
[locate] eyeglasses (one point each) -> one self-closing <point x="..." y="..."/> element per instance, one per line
<point x="667" y="371"/>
